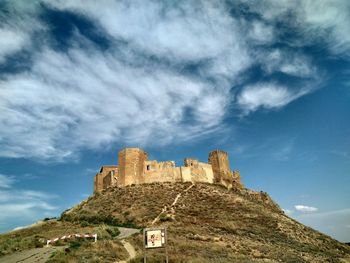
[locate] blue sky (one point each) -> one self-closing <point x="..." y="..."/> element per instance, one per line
<point x="266" y="81"/>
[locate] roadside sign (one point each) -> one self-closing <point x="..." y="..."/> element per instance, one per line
<point x="155" y="238"/>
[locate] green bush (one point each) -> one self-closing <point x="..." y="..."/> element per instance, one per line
<point x="84" y="224"/>
<point x="74" y="244"/>
<point x="85" y="218"/>
<point x="113" y="231"/>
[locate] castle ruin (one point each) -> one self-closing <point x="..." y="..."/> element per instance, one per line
<point x="135" y="168"/>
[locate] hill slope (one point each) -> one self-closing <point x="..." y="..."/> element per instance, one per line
<point x="208" y="223"/>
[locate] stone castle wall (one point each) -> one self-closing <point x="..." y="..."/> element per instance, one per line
<point x="220" y="164"/>
<point x="135" y="168"/>
<point x="99" y="177"/>
<point x="161" y="172"/>
<point x="131" y="166"/>
<point x="195" y="171"/>
<point x="110" y="179"/>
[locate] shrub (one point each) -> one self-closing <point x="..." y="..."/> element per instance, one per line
<point x="84" y="224"/>
<point x="113" y="231"/>
<point x="167" y="217"/>
<point x="86" y="218"/>
<point x="74" y="244"/>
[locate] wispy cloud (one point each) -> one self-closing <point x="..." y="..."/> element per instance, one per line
<point x="343" y="154"/>
<point x="334" y="222"/>
<point x="288" y="62"/>
<point x="268" y="96"/>
<point x="260" y="33"/>
<point x="18" y="24"/>
<point x="283" y="151"/>
<point x="18" y="205"/>
<point x="90" y="98"/>
<point x="6" y="181"/>
<point x="11" y="41"/>
<point x="305" y="208"/>
<point x="170" y="73"/>
<point x="276" y="148"/>
<point x="323" y="20"/>
<point x="23" y="206"/>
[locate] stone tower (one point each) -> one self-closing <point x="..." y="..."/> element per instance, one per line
<point x="131" y="166"/>
<point x="221" y="166"/>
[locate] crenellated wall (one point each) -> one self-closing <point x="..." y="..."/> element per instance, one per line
<point x="161" y="172"/>
<point x="135" y="168"/>
<point x="195" y="171"/>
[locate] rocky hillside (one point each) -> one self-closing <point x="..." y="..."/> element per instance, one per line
<point x="208" y="223"/>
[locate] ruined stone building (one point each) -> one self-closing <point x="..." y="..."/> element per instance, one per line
<point x="135" y="168"/>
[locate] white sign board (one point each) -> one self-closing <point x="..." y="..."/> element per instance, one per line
<point x="155" y="238"/>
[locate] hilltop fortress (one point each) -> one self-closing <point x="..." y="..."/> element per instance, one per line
<point x="135" y="168"/>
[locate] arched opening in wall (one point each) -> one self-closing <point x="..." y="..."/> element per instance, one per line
<point x="148" y="167"/>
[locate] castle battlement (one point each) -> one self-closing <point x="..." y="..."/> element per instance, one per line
<point x="135" y="168"/>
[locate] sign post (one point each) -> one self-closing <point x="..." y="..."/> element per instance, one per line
<point x="155" y="238"/>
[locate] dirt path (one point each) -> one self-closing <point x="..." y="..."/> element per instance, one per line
<point x="130" y="249"/>
<point x="41" y="255"/>
<point x="171" y="208"/>
<point x="35" y="255"/>
<point x="124" y="233"/>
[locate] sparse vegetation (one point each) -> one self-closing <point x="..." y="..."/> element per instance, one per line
<point x="208" y="224"/>
<point x="83" y="251"/>
<point x="113" y="231"/>
<point x="36" y="236"/>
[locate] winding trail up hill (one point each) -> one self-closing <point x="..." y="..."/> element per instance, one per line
<point x="208" y="223"/>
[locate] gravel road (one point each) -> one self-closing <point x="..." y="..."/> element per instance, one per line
<point x="35" y="255"/>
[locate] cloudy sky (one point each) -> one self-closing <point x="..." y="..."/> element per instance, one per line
<point x="267" y="81"/>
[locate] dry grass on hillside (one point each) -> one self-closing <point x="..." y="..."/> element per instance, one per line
<point x="106" y="251"/>
<point x="208" y="224"/>
<point x="211" y="224"/>
<point x="78" y="250"/>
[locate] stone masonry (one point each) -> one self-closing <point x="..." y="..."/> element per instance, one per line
<point x="135" y="168"/>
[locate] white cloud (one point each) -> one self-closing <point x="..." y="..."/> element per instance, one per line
<point x="323" y="20"/>
<point x="25" y="204"/>
<point x="138" y="91"/>
<point x="18" y="205"/>
<point x="88" y="98"/>
<point x="305" y="209"/>
<point x="11" y="42"/>
<point x="330" y="20"/>
<point x="17" y="25"/>
<point x="288" y="62"/>
<point x="6" y="181"/>
<point x="268" y="96"/>
<point x="260" y="32"/>
<point x="183" y="31"/>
